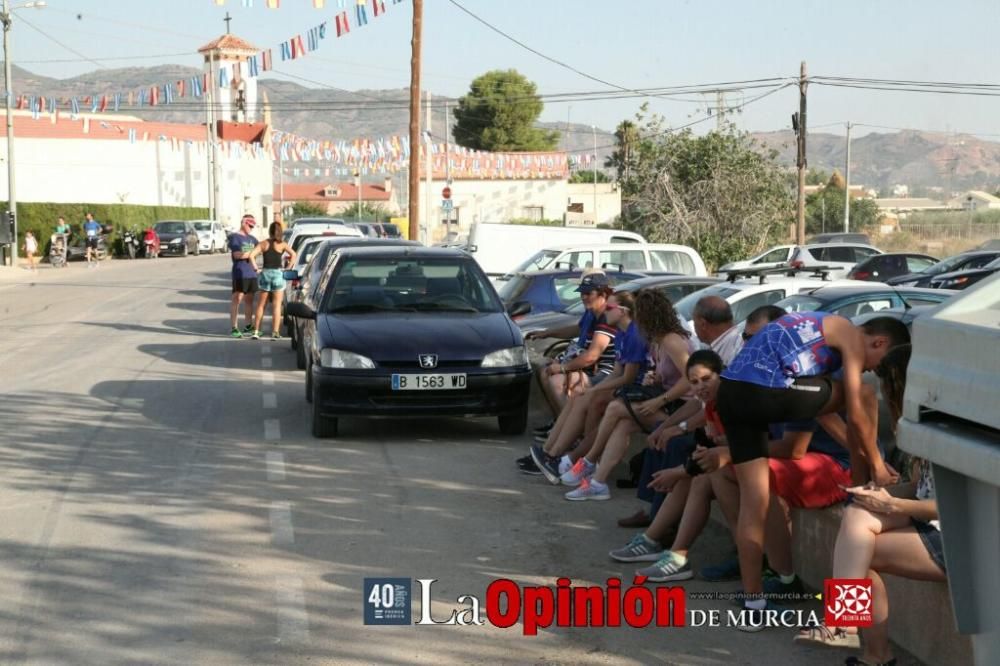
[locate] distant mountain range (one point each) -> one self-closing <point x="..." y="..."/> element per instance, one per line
<point x="920" y="160"/>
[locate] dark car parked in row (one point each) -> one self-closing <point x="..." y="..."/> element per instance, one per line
<point x="859" y="300"/>
<point x="548" y="290"/>
<point x="410" y="331"/>
<point x="177" y="237"/>
<point x="965" y="260"/>
<point x="966" y="278"/>
<point x="881" y="267"/>
<point x="307" y="278"/>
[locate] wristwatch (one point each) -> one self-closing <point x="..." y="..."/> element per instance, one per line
<point x="683" y="425"/>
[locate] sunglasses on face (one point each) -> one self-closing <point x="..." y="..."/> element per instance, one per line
<point x="614" y="306"/>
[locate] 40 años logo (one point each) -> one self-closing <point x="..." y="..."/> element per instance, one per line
<point x="508" y="603"/>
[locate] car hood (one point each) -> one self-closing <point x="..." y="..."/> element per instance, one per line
<point x="551" y="319"/>
<point x="167" y="236"/>
<point x="403" y="336"/>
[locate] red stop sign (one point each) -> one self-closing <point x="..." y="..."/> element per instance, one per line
<point x="446" y="193"/>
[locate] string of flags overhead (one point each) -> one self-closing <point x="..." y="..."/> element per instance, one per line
<point x="227" y="74"/>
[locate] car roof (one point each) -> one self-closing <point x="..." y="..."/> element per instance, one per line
<point x="625" y="246"/>
<point x="568" y="271"/>
<point x="657" y="280"/>
<point x="901" y="254"/>
<point x="396" y="250"/>
<point x="810" y="246"/>
<point x="315" y="220"/>
<point x="837" y="291"/>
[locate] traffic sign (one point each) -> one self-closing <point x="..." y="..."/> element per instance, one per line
<point x="446" y="193"/>
<point x="447" y="204"/>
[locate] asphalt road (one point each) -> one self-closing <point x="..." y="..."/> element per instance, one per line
<point x="163" y="501"/>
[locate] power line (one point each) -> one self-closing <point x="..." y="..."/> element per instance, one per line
<point x="64" y="60"/>
<point x="56" y="41"/>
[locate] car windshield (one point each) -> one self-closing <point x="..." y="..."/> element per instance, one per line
<point x="993" y="264"/>
<point x="169" y="227"/>
<point x="414" y="284"/>
<point x="202" y="226"/>
<point x="800" y="303"/>
<point x="391" y="229"/>
<point x="945" y="265"/>
<point x="307" y="252"/>
<point x="513" y="288"/>
<point x="537" y="261"/>
<point x="685" y="306"/>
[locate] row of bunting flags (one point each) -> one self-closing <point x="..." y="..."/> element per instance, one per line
<point x="360" y="5"/>
<point x="228" y="74"/>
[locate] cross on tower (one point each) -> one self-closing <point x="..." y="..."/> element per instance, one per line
<point x="227" y="20"/>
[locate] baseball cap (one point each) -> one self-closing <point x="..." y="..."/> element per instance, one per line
<point x="592" y="282"/>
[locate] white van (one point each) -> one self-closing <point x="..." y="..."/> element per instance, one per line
<point x="498" y="248"/>
<point x="653" y="257"/>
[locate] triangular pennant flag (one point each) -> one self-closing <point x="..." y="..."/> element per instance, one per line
<point x="341" y="23"/>
<point x="378" y="7"/>
<point x="361" y="12"/>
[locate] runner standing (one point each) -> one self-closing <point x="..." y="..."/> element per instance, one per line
<point x="244" y="276"/>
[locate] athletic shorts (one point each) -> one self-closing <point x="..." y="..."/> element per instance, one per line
<point x="244" y="285"/>
<point x="747" y="409"/>
<point x="271" y="279"/>
<point x="811" y="482"/>
<point x="92" y="242"/>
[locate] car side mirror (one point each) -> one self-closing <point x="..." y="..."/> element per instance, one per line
<point x="519" y="308"/>
<point x="300" y="311"/>
<point x="473" y="248"/>
<point x="291" y="275"/>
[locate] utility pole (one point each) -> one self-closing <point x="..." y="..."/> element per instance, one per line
<point x="8" y="78"/>
<point x="720" y="109"/>
<point x="593" y="129"/>
<point x="281" y="183"/>
<point x="847" y="182"/>
<point x="428" y="177"/>
<point x="214" y="135"/>
<point x="210" y="147"/>
<point x="414" y="181"/>
<point x="800" y="226"/>
<point x="447" y="163"/>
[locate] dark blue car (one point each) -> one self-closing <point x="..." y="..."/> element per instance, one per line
<point x="551" y="290"/>
<point x="410" y="331"/>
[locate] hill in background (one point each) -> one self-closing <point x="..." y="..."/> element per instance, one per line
<point x="918" y="159"/>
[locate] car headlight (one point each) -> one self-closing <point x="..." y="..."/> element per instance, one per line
<point x="176" y="240"/>
<point x="506" y="358"/>
<point x="344" y="360"/>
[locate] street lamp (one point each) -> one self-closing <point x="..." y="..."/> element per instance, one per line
<point x="6" y="18"/>
<point x="357" y="183"/>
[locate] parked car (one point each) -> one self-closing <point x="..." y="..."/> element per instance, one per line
<point x="905" y="315"/>
<point x="674" y="287"/>
<point x="318" y="231"/>
<point x="958" y="262"/>
<point x="840" y="256"/>
<point x="368" y="229"/>
<point x="775" y="256"/>
<point x="839" y="237"/>
<point x="862" y="298"/>
<point x="966" y="278"/>
<point x="543" y="291"/>
<point x="177" y="237"/>
<point x="637" y="257"/>
<point x="993" y="244"/>
<point x="410" y="331"/>
<point x="211" y="236"/>
<point x="745" y="291"/>
<point x="307" y="272"/>
<point x="501" y="248"/>
<point x="390" y="230"/>
<point x="881" y="267"/>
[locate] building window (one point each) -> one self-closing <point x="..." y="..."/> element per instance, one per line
<point x="533" y="213"/>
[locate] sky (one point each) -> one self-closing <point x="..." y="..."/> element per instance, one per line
<point x="635" y="44"/>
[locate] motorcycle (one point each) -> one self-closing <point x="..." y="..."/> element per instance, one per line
<point x="130" y="241"/>
<point x="151" y="244"/>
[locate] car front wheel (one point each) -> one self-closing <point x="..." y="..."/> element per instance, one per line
<point x="514" y="423"/>
<point x="323" y="427"/>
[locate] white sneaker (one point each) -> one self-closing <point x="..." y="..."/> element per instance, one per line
<point x="589" y="490"/>
<point x="565" y="464"/>
<point x="583" y="469"/>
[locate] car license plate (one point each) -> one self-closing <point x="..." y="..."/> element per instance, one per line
<point x="428" y="382"/>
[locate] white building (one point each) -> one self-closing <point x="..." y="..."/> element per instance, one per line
<point x="975" y="200"/>
<point x="105" y="158"/>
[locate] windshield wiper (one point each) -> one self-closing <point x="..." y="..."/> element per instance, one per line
<point x="364" y="307"/>
<point x="444" y="307"/>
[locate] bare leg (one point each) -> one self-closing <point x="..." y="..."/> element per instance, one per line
<point x="778" y="536"/>
<point x="695" y="516"/>
<point x="671" y="510"/>
<point x="754" y="492"/>
<point x="259" y="314"/>
<point x="276" y="312"/>
<point x="234" y="307"/>
<point x="727" y="492"/>
<point x="855" y="549"/>
<point x="576" y="415"/>
<point x="609" y="421"/>
<point x="615" y="449"/>
<point x="595" y="417"/>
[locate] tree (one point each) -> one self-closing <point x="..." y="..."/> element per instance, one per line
<point x="825" y="210"/>
<point x="369" y="212"/>
<point x="721" y="193"/>
<point x="306" y="209"/>
<point x="587" y="176"/>
<point x="623" y="157"/>
<point x="499" y="113"/>
<point x="816" y="177"/>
